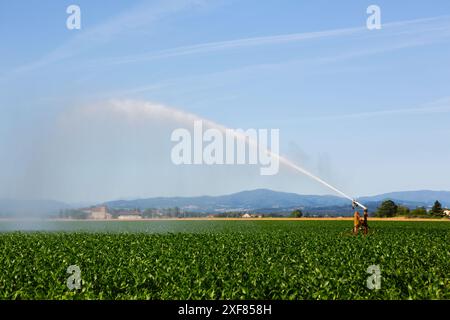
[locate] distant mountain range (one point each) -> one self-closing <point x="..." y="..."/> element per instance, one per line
<point x="423" y="197"/>
<point x="265" y="201"/>
<point x="241" y="201"/>
<point x="259" y="200"/>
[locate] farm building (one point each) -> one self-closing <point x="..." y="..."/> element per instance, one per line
<point x="129" y="215"/>
<point x="99" y="213"/>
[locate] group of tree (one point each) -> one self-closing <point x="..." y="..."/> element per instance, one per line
<point x="389" y="208"/>
<point x="73" y="214"/>
<point x="297" y="213"/>
<point x="174" y="212"/>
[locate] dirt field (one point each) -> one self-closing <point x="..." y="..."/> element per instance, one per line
<point x="316" y="219"/>
<point x="276" y="219"/>
<point x="244" y="219"/>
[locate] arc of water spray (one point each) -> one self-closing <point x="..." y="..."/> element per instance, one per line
<point x="139" y="109"/>
<point x="292" y="165"/>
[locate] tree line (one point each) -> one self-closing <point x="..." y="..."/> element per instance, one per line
<point x="389" y="208"/>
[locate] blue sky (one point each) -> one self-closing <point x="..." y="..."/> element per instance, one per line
<point x="367" y="110"/>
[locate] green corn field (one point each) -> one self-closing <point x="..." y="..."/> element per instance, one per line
<point x="226" y="260"/>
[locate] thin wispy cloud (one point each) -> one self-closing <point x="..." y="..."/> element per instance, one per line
<point x="278" y="39"/>
<point x="136" y="18"/>
<point x="435" y="107"/>
<point x="329" y="58"/>
<point x="231" y="44"/>
<point x="141" y="16"/>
